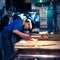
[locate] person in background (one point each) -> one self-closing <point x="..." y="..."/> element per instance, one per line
<point x="17" y="27"/>
<point x="7" y="19"/>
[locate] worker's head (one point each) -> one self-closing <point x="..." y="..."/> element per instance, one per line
<point x="9" y="11"/>
<point x="27" y="24"/>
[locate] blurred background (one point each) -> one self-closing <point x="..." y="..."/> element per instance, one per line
<point x="44" y="14"/>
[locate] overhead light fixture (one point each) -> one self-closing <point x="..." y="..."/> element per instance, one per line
<point x="42" y="1"/>
<point x="41" y="4"/>
<point x="39" y="1"/>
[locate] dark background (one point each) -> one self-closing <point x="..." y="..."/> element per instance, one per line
<point x="20" y="5"/>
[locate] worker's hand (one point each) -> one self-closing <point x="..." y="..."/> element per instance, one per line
<point x="26" y="36"/>
<point x="23" y="35"/>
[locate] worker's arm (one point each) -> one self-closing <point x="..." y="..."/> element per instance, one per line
<point x="23" y="35"/>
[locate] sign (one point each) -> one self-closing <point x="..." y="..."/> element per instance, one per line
<point x="43" y="17"/>
<point x="43" y="23"/>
